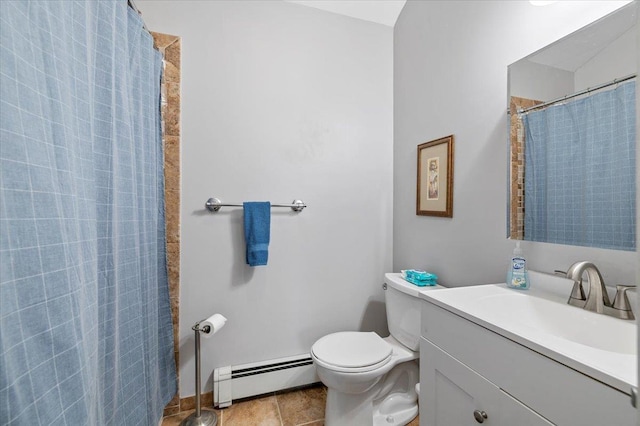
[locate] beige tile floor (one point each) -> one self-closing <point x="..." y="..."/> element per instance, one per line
<point x="295" y="408"/>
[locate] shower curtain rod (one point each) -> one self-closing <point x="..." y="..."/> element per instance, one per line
<point x="582" y="92"/>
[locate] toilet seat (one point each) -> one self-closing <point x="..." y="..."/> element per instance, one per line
<point x="352" y="351"/>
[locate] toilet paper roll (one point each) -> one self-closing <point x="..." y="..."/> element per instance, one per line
<point x="215" y="323"/>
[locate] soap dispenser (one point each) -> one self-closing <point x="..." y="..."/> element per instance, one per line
<point x="517" y="275"/>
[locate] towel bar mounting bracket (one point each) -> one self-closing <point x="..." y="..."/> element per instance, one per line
<point x="213" y="204"/>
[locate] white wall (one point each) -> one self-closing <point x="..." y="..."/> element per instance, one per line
<point x="531" y="80"/>
<point x="528" y="79"/>
<point x="281" y="101"/>
<point x="618" y="60"/>
<point x="450" y="77"/>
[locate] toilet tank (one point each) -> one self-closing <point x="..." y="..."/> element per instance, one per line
<point x="403" y="309"/>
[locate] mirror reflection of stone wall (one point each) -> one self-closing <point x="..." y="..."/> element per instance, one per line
<point x="516" y="191"/>
<point x="600" y="52"/>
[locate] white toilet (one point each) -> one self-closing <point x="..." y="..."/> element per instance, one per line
<point x="372" y="380"/>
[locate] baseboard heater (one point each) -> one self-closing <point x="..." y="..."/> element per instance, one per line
<point x="242" y="381"/>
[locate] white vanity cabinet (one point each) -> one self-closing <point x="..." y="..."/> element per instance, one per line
<point x="468" y="371"/>
<point x="453" y="394"/>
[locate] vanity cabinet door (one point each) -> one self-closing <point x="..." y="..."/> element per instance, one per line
<point x="453" y="394"/>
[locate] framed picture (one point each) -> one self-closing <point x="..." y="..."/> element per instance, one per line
<point x="435" y="178"/>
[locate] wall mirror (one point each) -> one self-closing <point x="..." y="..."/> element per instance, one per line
<point x="572" y="142"/>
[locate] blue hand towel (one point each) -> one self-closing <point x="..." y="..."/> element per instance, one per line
<point x="257" y="222"/>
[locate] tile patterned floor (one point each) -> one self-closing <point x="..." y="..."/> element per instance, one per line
<point x="296" y="408"/>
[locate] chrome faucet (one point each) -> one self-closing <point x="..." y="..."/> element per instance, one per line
<point x="598" y="298"/>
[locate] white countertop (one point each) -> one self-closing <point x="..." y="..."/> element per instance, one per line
<point x="596" y="345"/>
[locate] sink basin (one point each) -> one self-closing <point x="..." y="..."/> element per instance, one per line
<point x="561" y="320"/>
<point x="597" y="345"/>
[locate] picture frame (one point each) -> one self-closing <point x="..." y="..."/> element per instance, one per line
<point x="434" y="195"/>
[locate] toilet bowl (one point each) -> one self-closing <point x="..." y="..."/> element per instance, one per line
<point x="357" y="393"/>
<point x="370" y="379"/>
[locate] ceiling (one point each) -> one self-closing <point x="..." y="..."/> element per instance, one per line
<point x="384" y="12"/>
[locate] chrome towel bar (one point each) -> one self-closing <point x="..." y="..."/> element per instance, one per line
<point x="214" y="204"/>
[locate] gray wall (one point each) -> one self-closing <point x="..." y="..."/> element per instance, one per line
<point x="450" y="77"/>
<point x="281" y="101"/>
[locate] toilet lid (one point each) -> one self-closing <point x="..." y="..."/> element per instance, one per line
<point x="353" y="349"/>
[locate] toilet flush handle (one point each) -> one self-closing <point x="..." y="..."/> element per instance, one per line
<point x="384" y="286"/>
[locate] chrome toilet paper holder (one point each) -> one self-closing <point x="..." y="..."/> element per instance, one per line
<point x="201" y="417"/>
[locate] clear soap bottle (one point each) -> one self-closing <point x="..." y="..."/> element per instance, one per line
<point x="517" y="275"/>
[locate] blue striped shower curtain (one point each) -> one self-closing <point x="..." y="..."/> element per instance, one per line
<point x="580" y="171"/>
<point x="85" y="325"/>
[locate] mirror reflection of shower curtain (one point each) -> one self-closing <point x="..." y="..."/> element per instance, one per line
<point x="580" y="161"/>
<point x="85" y="325"/>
